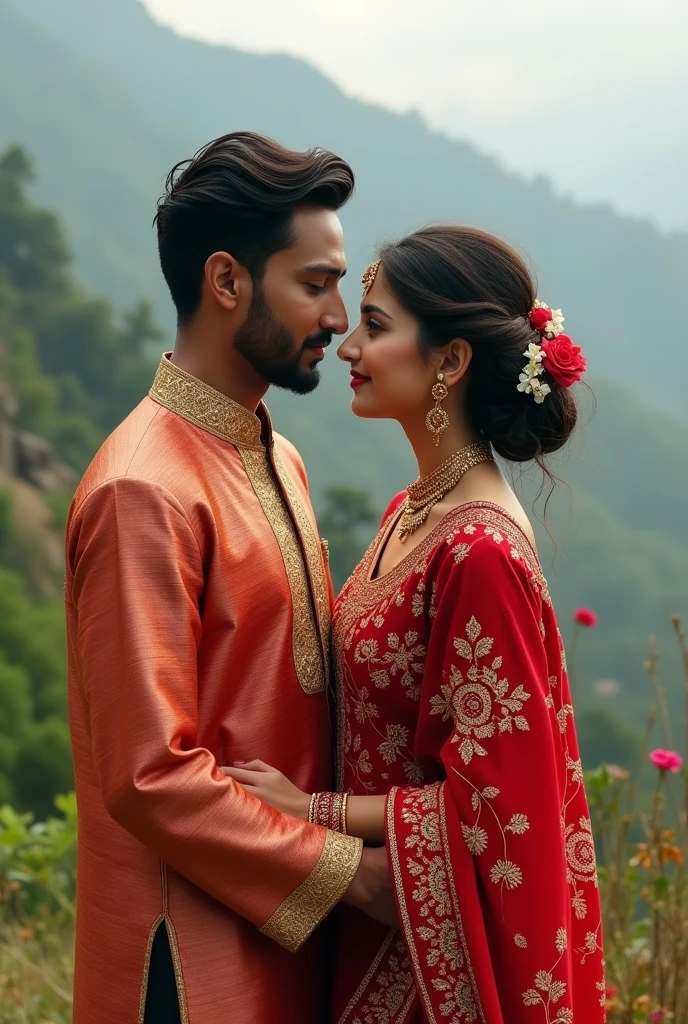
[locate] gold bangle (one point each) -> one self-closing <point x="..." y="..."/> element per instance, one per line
<point x="336" y="812"/>
<point x="311" y="808"/>
<point x="345" y="797"/>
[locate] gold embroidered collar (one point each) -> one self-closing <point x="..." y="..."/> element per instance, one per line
<point x="209" y="409"/>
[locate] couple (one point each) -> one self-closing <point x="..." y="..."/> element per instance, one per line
<point x="447" y="873"/>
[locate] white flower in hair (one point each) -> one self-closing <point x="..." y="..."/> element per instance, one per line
<point x="534" y="353"/>
<point x="528" y="382"/>
<point x="555" y="326"/>
<point x="540" y="391"/>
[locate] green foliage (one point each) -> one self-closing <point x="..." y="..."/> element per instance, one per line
<point x="347" y="519"/>
<point x="74" y="371"/>
<point x="603" y="737"/>
<point x="37" y="887"/>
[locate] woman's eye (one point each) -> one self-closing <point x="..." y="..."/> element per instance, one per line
<point x="373" y="325"/>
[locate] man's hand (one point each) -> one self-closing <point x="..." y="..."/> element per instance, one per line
<point x="371" y="888"/>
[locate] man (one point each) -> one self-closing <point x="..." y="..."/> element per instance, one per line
<point x="198" y="605"/>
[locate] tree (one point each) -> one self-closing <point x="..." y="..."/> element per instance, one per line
<point x="346" y="513"/>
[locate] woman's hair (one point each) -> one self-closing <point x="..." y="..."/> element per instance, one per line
<point x="459" y="282"/>
<point x="238" y="194"/>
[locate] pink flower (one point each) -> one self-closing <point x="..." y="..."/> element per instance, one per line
<point x="666" y="760"/>
<point x="585" y="617"/>
<point x="658" y="1016"/>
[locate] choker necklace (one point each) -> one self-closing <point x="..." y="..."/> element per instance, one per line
<point x="430" y="489"/>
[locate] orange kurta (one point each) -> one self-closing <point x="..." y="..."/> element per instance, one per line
<point x="198" y="608"/>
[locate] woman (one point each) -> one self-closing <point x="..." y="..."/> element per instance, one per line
<point x="456" y="742"/>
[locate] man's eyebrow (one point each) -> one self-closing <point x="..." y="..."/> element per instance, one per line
<point x="325" y="268"/>
<point x="375" y="309"/>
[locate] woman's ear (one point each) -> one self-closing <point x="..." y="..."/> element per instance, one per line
<point x="456" y="360"/>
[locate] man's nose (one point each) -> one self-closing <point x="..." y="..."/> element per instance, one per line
<point x="335" y="319"/>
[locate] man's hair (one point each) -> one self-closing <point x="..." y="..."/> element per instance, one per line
<point x="238" y="195"/>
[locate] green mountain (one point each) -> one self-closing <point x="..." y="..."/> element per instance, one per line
<point x="106" y="101"/>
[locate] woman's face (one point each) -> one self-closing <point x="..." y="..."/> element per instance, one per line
<point x="390" y="377"/>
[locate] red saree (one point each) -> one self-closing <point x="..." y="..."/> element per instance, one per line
<point x="454" y="700"/>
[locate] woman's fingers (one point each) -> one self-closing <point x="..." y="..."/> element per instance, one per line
<point x="254" y="766"/>
<point x="242" y="775"/>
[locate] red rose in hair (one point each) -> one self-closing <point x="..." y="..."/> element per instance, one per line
<point x="539" y="318"/>
<point x="564" y="361"/>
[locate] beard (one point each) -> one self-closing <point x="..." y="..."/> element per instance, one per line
<point x="268" y="346"/>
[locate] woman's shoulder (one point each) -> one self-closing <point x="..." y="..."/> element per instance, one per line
<point x="490" y="537"/>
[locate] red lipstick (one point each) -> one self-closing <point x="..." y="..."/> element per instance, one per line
<point x="357" y="379"/>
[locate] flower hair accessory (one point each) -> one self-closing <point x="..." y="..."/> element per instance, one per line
<point x="556" y="355"/>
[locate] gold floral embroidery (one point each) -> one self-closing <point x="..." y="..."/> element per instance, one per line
<point x="387" y="992"/>
<point x="548" y="991"/>
<point x="471" y="700"/>
<point x="314" y="556"/>
<point x="207" y="408"/>
<point x="305" y="908"/>
<point x="306" y="639"/>
<point x="437" y="939"/>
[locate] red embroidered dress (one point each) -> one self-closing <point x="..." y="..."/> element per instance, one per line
<point x="453" y="698"/>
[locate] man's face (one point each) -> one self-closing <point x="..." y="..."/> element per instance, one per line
<point x="297" y="306"/>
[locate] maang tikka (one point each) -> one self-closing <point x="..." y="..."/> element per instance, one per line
<point x="437" y="419"/>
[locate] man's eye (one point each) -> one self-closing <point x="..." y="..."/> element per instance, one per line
<point x="316" y="289"/>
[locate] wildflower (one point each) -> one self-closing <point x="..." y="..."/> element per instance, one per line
<point x="642" y="858"/>
<point x="666" y="760"/>
<point x="25" y="934"/>
<point x="671" y="854"/>
<point x="585" y="617"/>
<point x="642" y="1002"/>
<point x="616" y="774"/>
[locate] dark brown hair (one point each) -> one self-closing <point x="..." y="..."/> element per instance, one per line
<point x="238" y="194"/>
<point x="459" y="282"/>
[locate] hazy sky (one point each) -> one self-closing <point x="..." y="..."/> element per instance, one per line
<point x="591" y="92"/>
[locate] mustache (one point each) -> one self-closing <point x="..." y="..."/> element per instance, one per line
<point x="320" y="340"/>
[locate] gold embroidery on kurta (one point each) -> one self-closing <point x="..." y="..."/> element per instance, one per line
<point x="146" y="967"/>
<point x="305" y="908"/>
<point x="307" y="641"/>
<point x="314" y="558"/>
<point x="207" y="408"/>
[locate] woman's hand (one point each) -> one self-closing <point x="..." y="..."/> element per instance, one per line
<point x="271" y="787"/>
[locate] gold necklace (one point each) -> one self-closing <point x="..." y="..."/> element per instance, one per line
<point x="430" y="489"/>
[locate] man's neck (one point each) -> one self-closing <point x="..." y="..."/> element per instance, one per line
<point x="225" y="371"/>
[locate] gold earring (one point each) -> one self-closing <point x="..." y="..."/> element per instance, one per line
<point x="437" y="419"/>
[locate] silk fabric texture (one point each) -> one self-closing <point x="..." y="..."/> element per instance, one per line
<point x="454" y="699"/>
<point x="198" y="608"/>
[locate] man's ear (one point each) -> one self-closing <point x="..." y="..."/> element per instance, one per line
<point x="228" y="281"/>
<point x="456" y="360"/>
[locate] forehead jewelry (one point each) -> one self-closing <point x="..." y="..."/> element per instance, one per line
<point x="369" y="276"/>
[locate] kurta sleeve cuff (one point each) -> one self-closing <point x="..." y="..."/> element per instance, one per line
<point x="307" y="906"/>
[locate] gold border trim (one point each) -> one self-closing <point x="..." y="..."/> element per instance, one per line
<point x="205" y="407"/>
<point x="314" y="559"/>
<point x="306" y="638"/>
<point x="455" y="902"/>
<point x="407" y="929"/>
<point x="178" y="973"/>
<point x="146" y="967"/>
<point x="305" y="908"/>
<point x="409" y="998"/>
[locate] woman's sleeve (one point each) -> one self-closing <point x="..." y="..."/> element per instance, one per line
<point x="494" y="867"/>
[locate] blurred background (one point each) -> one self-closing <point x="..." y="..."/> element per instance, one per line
<point x="560" y="126"/>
